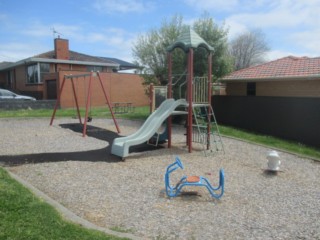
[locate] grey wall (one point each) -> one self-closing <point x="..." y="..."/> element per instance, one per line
<point x="291" y="118"/>
<point x="21" y="104"/>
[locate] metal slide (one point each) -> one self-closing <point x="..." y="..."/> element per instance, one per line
<point x="120" y="146"/>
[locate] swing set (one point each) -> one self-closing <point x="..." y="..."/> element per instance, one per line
<point x="87" y="100"/>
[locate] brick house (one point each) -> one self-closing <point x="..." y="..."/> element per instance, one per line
<point x="41" y="75"/>
<point x="280" y="98"/>
<point x="286" y="77"/>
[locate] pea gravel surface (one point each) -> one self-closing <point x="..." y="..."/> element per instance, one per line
<point x="81" y="174"/>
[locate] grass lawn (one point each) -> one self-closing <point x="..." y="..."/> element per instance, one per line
<point x="139" y="113"/>
<point x="271" y="142"/>
<point x="24" y="216"/>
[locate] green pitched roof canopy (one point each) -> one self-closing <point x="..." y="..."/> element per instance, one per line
<point x="189" y="39"/>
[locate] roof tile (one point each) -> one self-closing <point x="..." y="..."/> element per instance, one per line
<point x="76" y="57"/>
<point x="282" y="68"/>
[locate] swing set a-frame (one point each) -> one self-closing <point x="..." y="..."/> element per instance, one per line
<point x="71" y="77"/>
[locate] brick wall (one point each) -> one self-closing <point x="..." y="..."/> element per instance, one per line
<point x="35" y="90"/>
<point x="61" y="48"/>
<point x="120" y="87"/>
<point x="307" y="88"/>
<point x="236" y="89"/>
<point x="301" y="88"/>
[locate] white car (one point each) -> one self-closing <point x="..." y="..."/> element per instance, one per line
<point x="8" y="95"/>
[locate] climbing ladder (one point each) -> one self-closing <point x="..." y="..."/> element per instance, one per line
<point x="205" y="128"/>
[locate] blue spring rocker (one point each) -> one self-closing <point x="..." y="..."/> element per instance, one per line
<point x="173" y="191"/>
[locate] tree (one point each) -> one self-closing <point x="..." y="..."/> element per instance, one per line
<point x="150" y="50"/>
<point x="248" y="49"/>
<point x="216" y="37"/>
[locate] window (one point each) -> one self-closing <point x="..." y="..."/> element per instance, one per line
<point x="44" y="67"/>
<point x="94" y="68"/>
<point x="32" y="74"/>
<point x="10" y="75"/>
<point x="251" y="89"/>
<point x="36" y="71"/>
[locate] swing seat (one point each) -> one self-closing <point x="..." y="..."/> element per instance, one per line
<point x="200" y="181"/>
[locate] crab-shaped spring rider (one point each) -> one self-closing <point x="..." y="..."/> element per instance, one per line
<point x="173" y="191"/>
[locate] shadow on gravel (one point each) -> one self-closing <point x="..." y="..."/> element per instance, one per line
<point x="96" y="155"/>
<point x="269" y="173"/>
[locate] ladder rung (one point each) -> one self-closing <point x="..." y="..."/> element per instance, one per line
<point x="201" y="104"/>
<point x="200" y="134"/>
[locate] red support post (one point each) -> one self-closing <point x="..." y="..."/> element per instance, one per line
<point x="58" y="101"/>
<point x="209" y="97"/>
<point x="151" y="97"/>
<point x="108" y="102"/>
<point x="190" y="79"/>
<point x="169" y="96"/>
<point x="169" y="75"/>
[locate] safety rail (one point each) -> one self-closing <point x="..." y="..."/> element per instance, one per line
<point x="200" y="90"/>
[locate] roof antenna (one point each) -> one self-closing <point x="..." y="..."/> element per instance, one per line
<point x="54" y="33"/>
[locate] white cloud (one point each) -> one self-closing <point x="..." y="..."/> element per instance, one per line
<point x="235" y="28"/>
<point x="308" y="40"/>
<point x="38" y="29"/>
<point x="14" y="51"/>
<point x="109" y="42"/>
<point x="276" y="54"/>
<point x="289" y="23"/>
<point x="123" y="6"/>
<point x="68" y="31"/>
<point x="287" y="13"/>
<point x="118" y="43"/>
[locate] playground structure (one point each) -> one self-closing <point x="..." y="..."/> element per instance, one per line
<point x="201" y="123"/>
<point x="120" y="146"/>
<point x="199" y="112"/>
<point x="200" y="127"/>
<point x="87" y="118"/>
<point x="198" y="181"/>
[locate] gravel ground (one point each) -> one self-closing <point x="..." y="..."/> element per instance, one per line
<point x="81" y="174"/>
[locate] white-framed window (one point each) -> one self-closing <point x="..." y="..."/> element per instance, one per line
<point x="35" y="72"/>
<point x="94" y="68"/>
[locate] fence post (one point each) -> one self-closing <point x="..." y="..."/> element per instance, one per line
<point x="151" y="97"/>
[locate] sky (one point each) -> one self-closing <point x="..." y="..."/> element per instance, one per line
<point x="109" y="28"/>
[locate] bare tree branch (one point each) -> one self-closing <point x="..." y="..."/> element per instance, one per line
<point x="248" y="49"/>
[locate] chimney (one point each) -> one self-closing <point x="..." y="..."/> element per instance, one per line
<point x="61" y="48"/>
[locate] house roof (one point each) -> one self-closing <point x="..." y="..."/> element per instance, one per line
<point x="284" y="68"/>
<point x="123" y="64"/>
<point x="5" y="64"/>
<point x="74" y="58"/>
